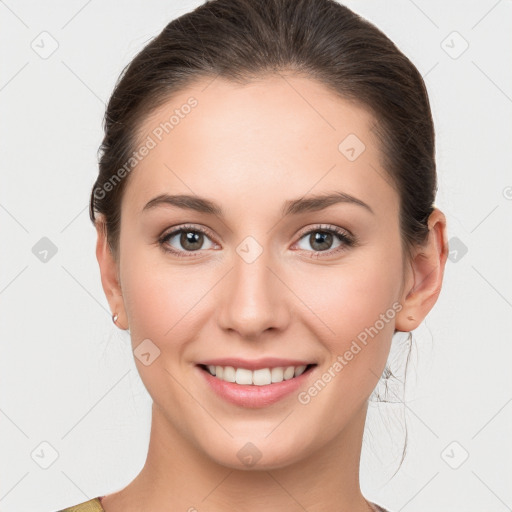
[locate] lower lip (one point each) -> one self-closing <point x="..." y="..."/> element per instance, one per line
<point x="251" y="395"/>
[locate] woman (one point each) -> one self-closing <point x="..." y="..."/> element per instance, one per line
<point x="266" y="222"/>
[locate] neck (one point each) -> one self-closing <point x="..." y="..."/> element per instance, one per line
<point x="179" y="476"/>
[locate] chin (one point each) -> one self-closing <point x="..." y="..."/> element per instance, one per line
<point x="256" y="455"/>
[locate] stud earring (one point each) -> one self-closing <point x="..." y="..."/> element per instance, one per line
<point x="115" y="317"/>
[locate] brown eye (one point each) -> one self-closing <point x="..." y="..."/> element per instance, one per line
<point x="185" y="239"/>
<point x="322" y="239"/>
<point x="191" y="240"/>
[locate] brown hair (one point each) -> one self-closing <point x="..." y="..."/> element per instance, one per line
<point x="242" y="40"/>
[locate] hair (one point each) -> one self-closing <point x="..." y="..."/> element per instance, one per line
<point x="244" y="40"/>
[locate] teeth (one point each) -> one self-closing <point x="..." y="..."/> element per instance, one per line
<point x="228" y="373"/>
<point x="243" y="376"/>
<point x="260" y="377"/>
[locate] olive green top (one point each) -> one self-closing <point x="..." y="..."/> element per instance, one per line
<point x="94" y="505"/>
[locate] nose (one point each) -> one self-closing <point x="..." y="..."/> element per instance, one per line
<point x="253" y="299"/>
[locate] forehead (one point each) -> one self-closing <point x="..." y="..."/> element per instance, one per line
<point x="274" y="138"/>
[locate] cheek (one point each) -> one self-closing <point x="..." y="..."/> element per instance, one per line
<point x="353" y="295"/>
<point x="160" y="301"/>
<point x="163" y="299"/>
<point x="356" y="300"/>
<point x="349" y="300"/>
<point x="162" y="304"/>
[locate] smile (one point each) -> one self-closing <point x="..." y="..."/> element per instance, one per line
<point x="256" y="388"/>
<point x="260" y="377"/>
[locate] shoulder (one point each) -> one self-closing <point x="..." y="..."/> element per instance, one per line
<point x="93" y="505"/>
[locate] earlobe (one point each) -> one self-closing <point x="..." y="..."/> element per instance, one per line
<point x="427" y="268"/>
<point x="109" y="274"/>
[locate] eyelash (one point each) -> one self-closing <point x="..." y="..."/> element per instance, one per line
<point x="346" y="239"/>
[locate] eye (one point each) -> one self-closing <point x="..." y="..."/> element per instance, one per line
<point x="321" y="239"/>
<point x="190" y="238"/>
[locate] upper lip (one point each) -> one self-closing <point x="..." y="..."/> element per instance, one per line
<point x="255" y="364"/>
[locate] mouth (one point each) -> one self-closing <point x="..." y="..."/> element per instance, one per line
<point x="259" y="377"/>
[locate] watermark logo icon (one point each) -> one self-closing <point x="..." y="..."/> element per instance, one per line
<point x="44" y="44"/>
<point x="249" y="249"/>
<point x="146" y="352"/>
<point x="44" y="250"/>
<point x="249" y="454"/>
<point x="454" y="45"/>
<point x="457" y="249"/>
<point x="351" y="147"/>
<point x="455" y="455"/>
<point x="44" y="454"/>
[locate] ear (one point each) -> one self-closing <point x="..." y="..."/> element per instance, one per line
<point x="110" y="274"/>
<point x="424" y="276"/>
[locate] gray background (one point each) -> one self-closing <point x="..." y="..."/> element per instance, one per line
<point x="74" y="415"/>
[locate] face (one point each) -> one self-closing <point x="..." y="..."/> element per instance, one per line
<point x="272" y="273"/>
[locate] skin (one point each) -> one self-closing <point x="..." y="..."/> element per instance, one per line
<point x="249" y="149"/>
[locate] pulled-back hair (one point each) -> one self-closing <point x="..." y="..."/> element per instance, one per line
<point x="242" y="40"/>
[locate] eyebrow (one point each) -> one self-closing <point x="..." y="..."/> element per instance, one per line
<point x="311" y="203"/>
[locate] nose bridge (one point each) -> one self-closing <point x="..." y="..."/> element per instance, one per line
<point x="253" y="299"/>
